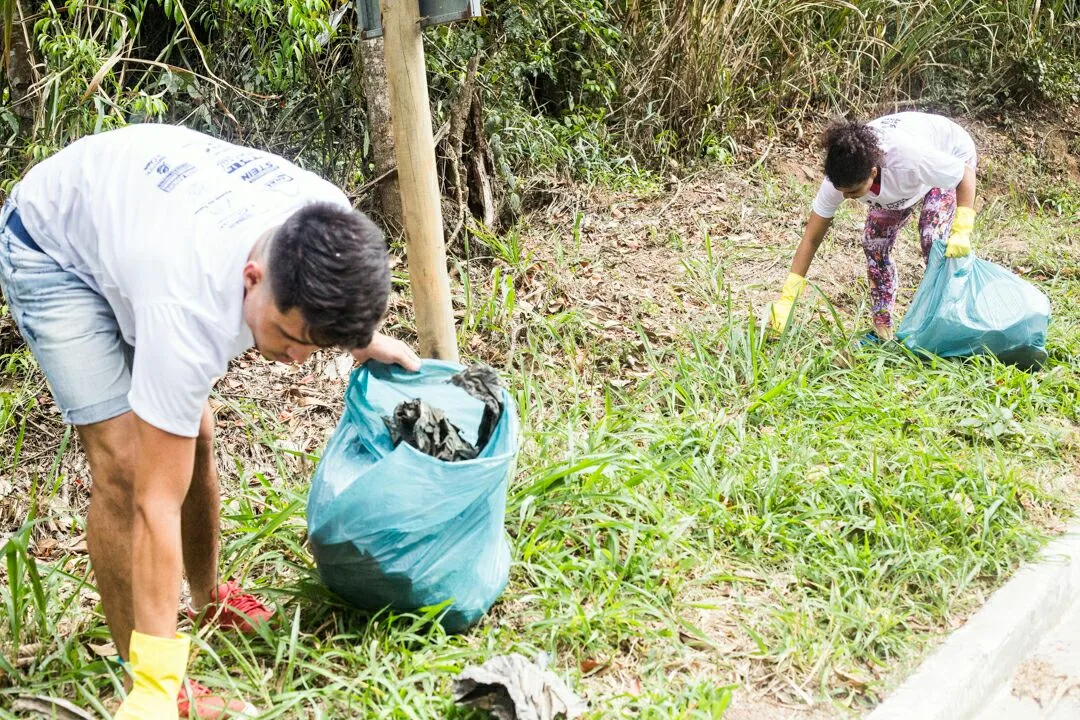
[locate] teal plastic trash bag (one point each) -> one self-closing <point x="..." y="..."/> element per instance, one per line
<point x="967" y="306"/>
<point x="393" y="527"/>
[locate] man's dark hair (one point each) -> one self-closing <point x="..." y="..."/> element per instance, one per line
<point x="332" y="264"/>
<point x="851" y="152"/>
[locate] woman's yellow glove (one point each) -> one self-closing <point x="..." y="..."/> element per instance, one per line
<point x="157" y="669"/>
<point x="780" y="311"/>
<point x="959" y="243"/>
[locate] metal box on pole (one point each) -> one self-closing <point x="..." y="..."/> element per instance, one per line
<point x="432" y="12"/>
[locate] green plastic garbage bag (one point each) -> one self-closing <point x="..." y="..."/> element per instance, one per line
<point x="967" y="306"/>
<point x="393" y="527"/>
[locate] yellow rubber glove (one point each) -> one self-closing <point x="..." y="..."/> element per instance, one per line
<point x="959" y="243"/>
<point x="780" y="311"/>
<point x="157" y="669"/>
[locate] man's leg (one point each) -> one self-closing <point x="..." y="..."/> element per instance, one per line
<point x="228" y="605"/>
<point x="200" y="517"/>
<point x="110" y="451"/>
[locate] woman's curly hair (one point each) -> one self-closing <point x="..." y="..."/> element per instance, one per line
<point x="851" y="152"/>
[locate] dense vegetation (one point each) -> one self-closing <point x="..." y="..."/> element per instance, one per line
<point x="592" y="86"/>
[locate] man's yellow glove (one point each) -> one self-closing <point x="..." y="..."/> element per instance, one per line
<point x="157" y="669"/>
<point x="959" y="243"/>
<point x="780" y="311"/>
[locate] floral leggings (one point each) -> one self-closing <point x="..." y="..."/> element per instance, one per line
<point x="882" y="228"/>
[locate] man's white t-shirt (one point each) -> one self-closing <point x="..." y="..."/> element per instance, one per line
<point x="160" y="220"/>
<point x="922" y="152"/>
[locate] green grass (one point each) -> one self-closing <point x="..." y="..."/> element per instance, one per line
<point x="790" y="513"/>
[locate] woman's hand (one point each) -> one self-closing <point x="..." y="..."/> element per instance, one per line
<point x="959" y="242"/>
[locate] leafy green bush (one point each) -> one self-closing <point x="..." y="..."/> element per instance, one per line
<point x="595" y="87"/>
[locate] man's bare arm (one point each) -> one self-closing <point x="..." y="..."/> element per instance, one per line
<point x="163" y="469"/>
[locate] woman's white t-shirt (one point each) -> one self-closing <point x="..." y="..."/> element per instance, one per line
<point x="922" y="152"/>
<point x="160" y="221"/>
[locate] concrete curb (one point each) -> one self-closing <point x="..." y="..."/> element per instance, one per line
<point x="961" y="676"/>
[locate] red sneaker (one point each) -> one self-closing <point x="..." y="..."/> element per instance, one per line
<point x="198" y="701"/>
<point x="230" y="607"/>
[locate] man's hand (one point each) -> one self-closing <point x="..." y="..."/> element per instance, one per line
<point x="157" y="669"/>
<point x="389" y="351"/>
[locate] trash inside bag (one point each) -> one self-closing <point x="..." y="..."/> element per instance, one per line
<point x="967" y="306"/>
<point x="429" y="430"/>
<point x="391" y="526"/>
<point x="482" y="383"/>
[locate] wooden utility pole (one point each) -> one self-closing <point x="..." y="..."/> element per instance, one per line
<point x="417" y="178"/>
<point x="381" y="129"/>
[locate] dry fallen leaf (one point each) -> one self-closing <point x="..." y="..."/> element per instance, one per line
<point x="27" y="654"/>
<point x="44" y="547"/>
<point x="855" y="678"/>
<point x="49" y="707"/>
<point x="590" y="666"/>
<point x="694" y="642"/>
<point x="76" y="545"/>
<point x="105" y="650"/>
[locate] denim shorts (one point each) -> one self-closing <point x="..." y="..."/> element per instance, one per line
<point x="70" y="328"/>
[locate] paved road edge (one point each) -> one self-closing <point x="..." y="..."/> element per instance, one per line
<point x="961" y="676"/>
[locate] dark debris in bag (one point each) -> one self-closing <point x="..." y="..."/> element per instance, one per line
<point x="483" y="383"/>
<point x="429" y="430"/>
